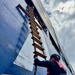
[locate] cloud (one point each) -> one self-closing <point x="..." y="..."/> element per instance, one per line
<point x="73" y="65"/>
<point x="71" y="17"/>
<point x="56" y="2"/>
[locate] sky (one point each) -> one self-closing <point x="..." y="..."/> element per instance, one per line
<point x="62" y="17"/>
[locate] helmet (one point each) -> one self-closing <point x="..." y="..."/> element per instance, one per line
<point x="55" y="56"/>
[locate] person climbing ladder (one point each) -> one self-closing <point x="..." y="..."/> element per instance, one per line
<point x="54" y="67"/>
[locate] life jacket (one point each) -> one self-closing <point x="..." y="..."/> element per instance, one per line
<point x="60" y="65"/>
<point x="62" y="69"/>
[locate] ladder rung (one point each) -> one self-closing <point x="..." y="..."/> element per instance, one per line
<point x="31" y="11"/>
<point x="23" y="9"/>
<point x="34" y="22"/>
<point x="38" y="41"/>
<point x="38" y="26"/>
<point x="31" y="14"/>
<point x="34" y="28"/>
<point x="37" y="46"/>
<point x="30" y="8"/>
<point x="36" y="35"/>
<point x="19" y="6"/>
<point x="34" y="32"/>
<point x="40" y="54"/>
<point x="33" y="25"/>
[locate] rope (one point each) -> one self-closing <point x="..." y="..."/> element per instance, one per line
<point x="35" y="69"/>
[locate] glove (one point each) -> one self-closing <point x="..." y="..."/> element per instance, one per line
<point x="35" y="61"/>
<point x="35" y="56"/>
